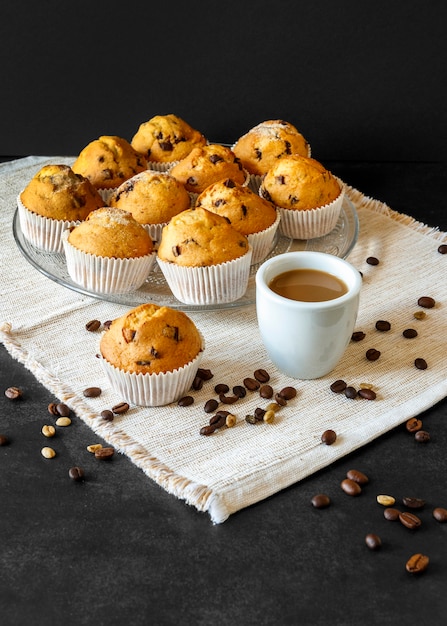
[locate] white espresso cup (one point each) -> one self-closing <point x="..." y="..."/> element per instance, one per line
<point x="306" y="340"/>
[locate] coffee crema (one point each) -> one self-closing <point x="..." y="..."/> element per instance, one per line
<point x="308" y="285"/>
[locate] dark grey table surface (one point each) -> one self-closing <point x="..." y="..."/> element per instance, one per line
<point x="117" y="549"/>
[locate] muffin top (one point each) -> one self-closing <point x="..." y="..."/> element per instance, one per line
<point x="206" y="165"/>
<point x="58" y="193"/>
<point x="198" y="238"/>
<point x="152" y="197"/>
<point x="150" y="340"/>
<point x="166" y="138"/>
<point x="244" y="209"/>
<point x="109" y="161"/>
<point x="301" y="183"/>
<point x="110" y="232"/>
<point x="264" y="144"/>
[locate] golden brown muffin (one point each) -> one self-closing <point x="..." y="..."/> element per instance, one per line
<point x="300" y="183"/>
<point x="264" y="144"/>
<point x="198" y="238"/>
<point x="56" y="192"/>
<point x="114" y="233"/>
<point x="151" y="197"/>
<point x="245" y="210"/>
<point x="206" y="165"/>
<point x="150" y="340"/>
<point x="109" y="161"/>
<point x="166" y="138"/>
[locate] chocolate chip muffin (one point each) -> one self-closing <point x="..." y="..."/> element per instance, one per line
<point x="108" y="161"/>
<point x="166" y="138"/>
<point x="261" y="147"/>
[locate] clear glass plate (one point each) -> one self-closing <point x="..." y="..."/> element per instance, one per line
<point x="339" y="242"/>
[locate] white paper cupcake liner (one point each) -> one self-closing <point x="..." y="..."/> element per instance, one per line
<point x="310" y="223"/>
<point x="42" y="232"/>
<point x="106" y="275"/>
<point x="262" y="242"/>
<point x="213" y="284"/>
<point x="152" y="389"/>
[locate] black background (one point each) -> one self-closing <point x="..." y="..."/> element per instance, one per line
<point x="360" y="80"/>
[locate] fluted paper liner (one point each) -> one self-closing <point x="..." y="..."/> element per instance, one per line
<point x="262" y="242"/>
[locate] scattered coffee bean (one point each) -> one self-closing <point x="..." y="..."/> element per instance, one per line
<point x="48" y="453"/>
<point x="350" y="487"/>
<point x="76" y="473"/>
<point x="230" y="420"/>
<point x="442" y="248"/>
<point x="391" y="514"/>
<point x="372" y="260"/>
<point x="92" y="392"/>
<point x="120" y="408"/>
<point x="251" y="419"/>
<point x="279" y="399"/>
<point x="357" y="476"/>
<point x="372" y="354"/>
<point x="420" y="364"/>
<point x="413" y="503"/>
<point x="228" y="399"/>
<point x="440" y="514"/>
<point x="409" y="520"/>
<point x="239" y="391"/>
<point x="367" y="394"/>
<point x="107" y="415"/>
<point x="13" y="393"/>
<point x="385" y="500"/>
<point x="417" y="563"/>
<point x="208" y="430"/>
<point x="63" y="421"/>
<point x="273" y="406"/>
<point x="413" y="425"/>
<point x="329" y="437"/>
<point x="338" y="386"/>
<point x="93" y="447"/>
<point x="426" y="302"/>
<point x="210" y="405"/>
<point x="186" y="401"/>
<point x="62" y="409"/>
<point x="266" y="392"/>
<point x="269" y="417"/>
<point x="52" y="408"/>
<point x="48" y="430"/>
<point x="383" y="325"/>
<point x="93" y="325"/>
<point x="261" y="376"/>
<point x="218" y="419"/>
<point x="350" y="392"/>
<point x="422" y="436"/>
<point x="204" y="374"/>
<point x="410" y="333"/>
<point x="197" y="383"/>
<point x="4" y="440"/>
<point x="221" y="388"/>
<point x="104" y="453"/>
<point x="373" y="541"/>
<point x="358" y="335"/>
<point x="260" y="412"/>
<point x="320" y="501"/>
<point x="251" y="384"/>
<point x="420" y="315"/>
<point x="288" y="393"/>
<point x="107" y="324"/>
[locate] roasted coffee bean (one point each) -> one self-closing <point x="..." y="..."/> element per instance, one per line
<point x="239" y="391"/>
<point x="422" y="436"/>
<point x="107" y="324"/>
<point x="373" y="541"/>
<point x="204" y="374"/>
<point x="208" y="430"/>
<point x="420" y="364"/>
<point x="107" y="415"/>
<point x="259" y="413"/>
<point x="385" y="500"/>
<point x="288" y="393"/>
<point x="279" y="399"/>
<point x="329" y="437"/>
<point x="52" y="408"/>
<point x="417" y="563"/>
<point x="350" y="487"/>
<point x="350" y="392"/>
<point x="228" y="399"/>
<point x="104" y="453"/>
<point x="358" y="335"/>
<point x="261" y="376"/>
<point x="4" y="440"/>
<point x="120" y="408"/>
<point x="62" y="409"/>
<point x="218" y="420"/>
<point x="413" y="425"/>
<point x="338" y="386"/>
<point x="410" y="520"/>
<point x="251" y="419"/>
<point x="13" y="393"/>
<point x="372" y="260"/>
<point x="410" y="333"/>
<point x="93" y="325"/>
<point x="426" y="302"/>
<point x="221" y="388"/>
<point x="413" y="503"/>
<point x="197" y="383"/>
<point x="320" y="501"/>
<point x="442" y="249"/>
<point x="440" y="514"/>
<point x="210" y="405"/>
<point x="391" y="514"/>
<point x="266" y="392"/>
<point x="372" y="354"/>
<point x="251" y="384"/>
<point x="185" y="401"/>
<point x="367" y="394"/>
<point x="92" y="392"/>
<point x="383" y="325"/>
<point x="76" y="473"/>
<point x="357" y="476"/>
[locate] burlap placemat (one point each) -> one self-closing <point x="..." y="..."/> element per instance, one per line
<point x="42" y="325"/>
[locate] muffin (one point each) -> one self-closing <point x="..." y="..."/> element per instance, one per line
<point x="165" y="139"/>
<point x="109" y="161"/>
<point x="152" y="198"/>
<point x="308" y="195"/>
<point x="207" y="165"/>
<point x="55" y="199"/>
<point x="246" y="211"/>
<point x="151" y="354"/>
<point x="261" y="147"/>
<point x="203" y="258"/>
<point x="110" y="252"/>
